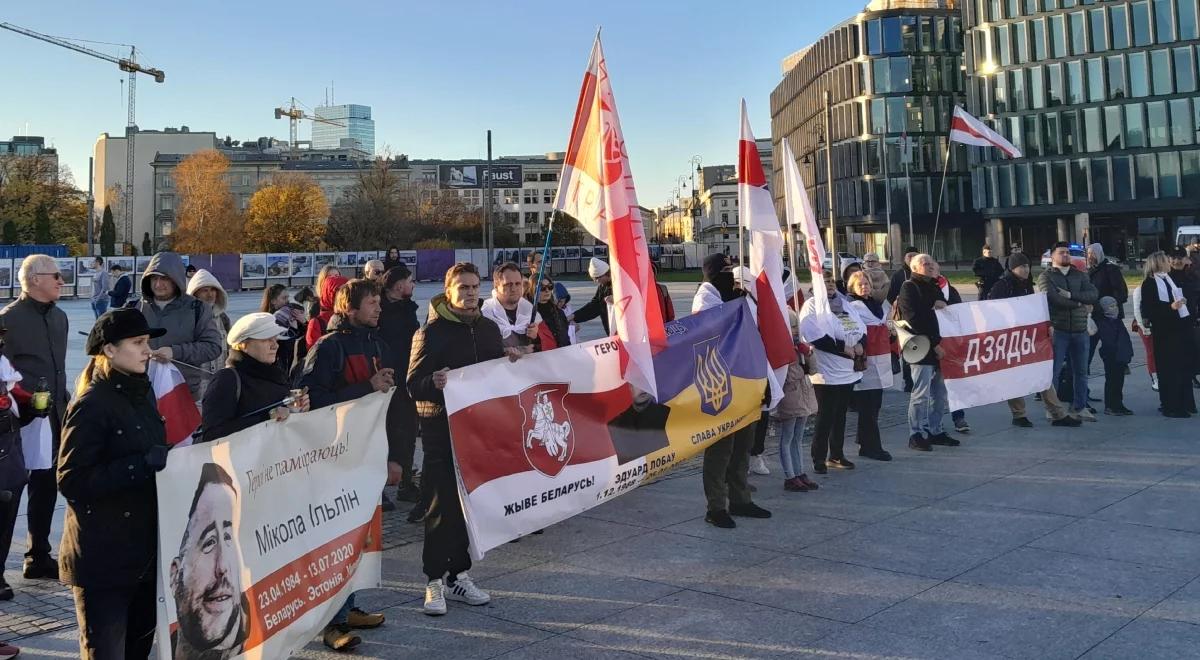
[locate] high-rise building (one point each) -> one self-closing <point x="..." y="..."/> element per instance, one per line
<point x="1102" y="99"/>
<point x="355" y="125"/>
<point x="893" y="75"/>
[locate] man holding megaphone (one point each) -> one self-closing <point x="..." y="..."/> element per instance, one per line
<point x="919" y="297"/>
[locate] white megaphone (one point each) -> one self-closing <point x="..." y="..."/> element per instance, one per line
<point x="913" y="348"/>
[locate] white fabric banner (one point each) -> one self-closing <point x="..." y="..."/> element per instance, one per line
<point x="264" y="534"/>
<point x="995" y="350"/>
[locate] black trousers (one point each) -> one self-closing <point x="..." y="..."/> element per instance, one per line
<point x="43" y="495"/>
<point x="1114" y="385"/>
<point x="8" y="522"/>
<point x="1173" y="357"/>
<point x="760" y="434"/>
<point x="446" y="543"/>
<point x="402" y="432"/>
<point x="830" y="434"/>
<point x="117" y="622"/>
<point x="868" y="403"/>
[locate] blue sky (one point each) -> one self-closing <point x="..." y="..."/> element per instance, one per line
<point x="437" y="75"/>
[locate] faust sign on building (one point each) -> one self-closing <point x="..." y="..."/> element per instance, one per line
<point x="459" y="175"/>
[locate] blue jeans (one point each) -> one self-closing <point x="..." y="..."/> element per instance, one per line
<point x="100" y="306"/>
<point x="343" y="615"/>
<point x="791" y="436"/>
<point x="1074" y="345"/>
<point x="927" y="405"/>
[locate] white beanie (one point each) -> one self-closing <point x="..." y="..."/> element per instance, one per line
<point x="597" y="268"/>
<point x="742" y="276"/>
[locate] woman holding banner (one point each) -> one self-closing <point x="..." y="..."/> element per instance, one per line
<point x="113" y="443"/>
<point x="867" y="292"/>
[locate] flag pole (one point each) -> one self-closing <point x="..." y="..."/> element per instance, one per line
<point x="941" y="192"/>
<point x="792" y="265"/>
<point x="546" y="250"/>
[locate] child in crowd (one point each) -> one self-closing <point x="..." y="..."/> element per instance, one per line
<point x="799" y="401"/>
<point x="1116" y="350"/>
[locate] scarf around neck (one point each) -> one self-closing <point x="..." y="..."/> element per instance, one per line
<point x="493" y="310"/>
<point x="1162" y="281"/>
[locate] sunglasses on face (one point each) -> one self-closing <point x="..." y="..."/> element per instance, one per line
<point x="56" y="275"/>
<point x="547" y="287"/>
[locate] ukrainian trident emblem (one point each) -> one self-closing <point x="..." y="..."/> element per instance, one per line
<point x="712" y="377"/>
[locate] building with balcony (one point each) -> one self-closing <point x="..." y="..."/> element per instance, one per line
<point x="893" y="74"/>
<point x="1103" y="101"/>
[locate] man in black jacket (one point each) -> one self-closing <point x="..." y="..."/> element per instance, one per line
<point x="455" y="335"/>
<point x="397" y="324"/>
<point x="598" y="305"/>
<point x="122" y="286"/>
<point x="898" y="279"/>
<point x="346" y="364"/>
<point x="915" y="305"/>
<point x="1109" y="281"/>
<point x="987" y="270"/>
<point x="36" y="344"/>
<point x="1016" y="282"/>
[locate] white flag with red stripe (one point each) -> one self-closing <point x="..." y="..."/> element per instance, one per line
<point x="175" y="403"/>
<point x="597" y="190"/>
<point x="969" y="130"/>
<point x="800" y="213"/>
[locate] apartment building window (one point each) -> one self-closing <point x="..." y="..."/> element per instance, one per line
<point x="531" y="176"/>
<point x="548" y="176"/>
<point x="166" y="202"/>
<point x="531" y="218"/>
<point x="548" y="195"/>
<point x="529" y="195"/>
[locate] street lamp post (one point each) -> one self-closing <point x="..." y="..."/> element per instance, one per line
<point x="695" y="160"/>
<point x="833" y="258"/>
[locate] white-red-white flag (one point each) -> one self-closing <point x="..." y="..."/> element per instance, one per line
<point x="757" y="215"/>
<point x="800" y="214"/>
<point x="596" y="189"/>
<point x="969" y="130"/>
<point x="175" y="403"/>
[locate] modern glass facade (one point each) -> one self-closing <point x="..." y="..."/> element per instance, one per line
<point x="355" y="123"/>
<point x="894" y="72"/>
<point x="1101" y="97"/>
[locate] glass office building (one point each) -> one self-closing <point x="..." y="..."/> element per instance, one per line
<point x="894" y="73"/>
<point x="1102" y="99"/>
<point x="352" y="122"/>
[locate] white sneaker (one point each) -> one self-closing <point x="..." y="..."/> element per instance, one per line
<point x="759" y="466"/>
<point x="1085" y="414"/>
<point x="464" y="590"/>
<point x="1154" y="382"/>
<point x="435" y="598"/>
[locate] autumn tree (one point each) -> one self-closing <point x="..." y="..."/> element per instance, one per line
<point x="208" y="219"/>
<point x="374" y="212"/>
<point x="40" y="198"/>
<point x="286" y="215"/>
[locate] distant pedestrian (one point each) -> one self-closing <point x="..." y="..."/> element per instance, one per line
<point x="122" y="286"/>
<point x="1164" y="309"/>
<point x="99" y="287"/>
<point x="987" y="271"/>
<point x="1116" y="350"/>
<point x="392" y="259"/>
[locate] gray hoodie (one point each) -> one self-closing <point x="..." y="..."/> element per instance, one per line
<point x="192" y="332"/>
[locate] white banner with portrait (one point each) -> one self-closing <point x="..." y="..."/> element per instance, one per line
<point x="264" y="534"/>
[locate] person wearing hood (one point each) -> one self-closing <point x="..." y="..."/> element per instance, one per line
<point x="242" y="393"/>
<point x="597" y="307"/>
<point x="193" y="336"/>
<point x="455" y="335"/>
<point x="206" y="288"/>
<point x="510" y="310"/>
<point x="727" y="461"/>
<point x="837" y="337"/>
<point x="347" y="363"/>
<point x="319" y="324"/>
<point x="397" y="325"/>
<point x="1015" y="283"/>
<point x="562" y="298"/>
<point x="919" y="297"/>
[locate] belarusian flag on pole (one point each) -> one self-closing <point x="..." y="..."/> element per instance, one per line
<point x="766" y="250"/>
<point x="597" y="190"/>
<point x="969" y="130"/>
<point x="800" y="212"/>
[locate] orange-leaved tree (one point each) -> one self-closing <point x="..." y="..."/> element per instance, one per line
<point x="286" y="215"/>
<point x="208" y="219"/>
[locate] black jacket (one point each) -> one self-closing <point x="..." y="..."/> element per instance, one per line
<point x="446" y="341"/>
<point x="915" y="305"/>
<point x="1010" y="286"/>
<point x="898" y="278"/>
<point x="556" y="323"/>
<point x="246" y="385"/>
<point x="36" y="344"/>
<point x="122" y="287"/>
<point x="12" y="460"/>
<point x="340" y="366"/>
<point x="987" y="270"/>
<point x="1186" y="280"/>
<point x="596" y="307"/>
<point x="397" y="325"/>
<point x="1109" y="281"/>
<point x="111" y="528"/>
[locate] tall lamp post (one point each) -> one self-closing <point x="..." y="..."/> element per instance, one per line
<point x="695" y="160"/>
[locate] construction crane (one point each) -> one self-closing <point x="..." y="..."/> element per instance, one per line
<point x="294" y="115"/>
<point x="130" y="66"/>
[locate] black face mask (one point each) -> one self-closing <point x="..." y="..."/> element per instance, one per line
<point x="724" y="284"/>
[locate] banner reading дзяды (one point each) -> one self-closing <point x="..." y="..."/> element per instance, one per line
<point x="264" y="534"/>
<point x="554" y="434"/>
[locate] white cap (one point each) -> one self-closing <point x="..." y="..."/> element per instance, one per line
<point x="742" y="276"/>
<point x="259" y="325"/>
<point x="597" y="268"/>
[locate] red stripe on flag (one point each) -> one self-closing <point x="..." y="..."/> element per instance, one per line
<point x="997" y="350"/>
<point x="776" y="335"/>
<point x="180" y="414"/>
<point x="750" y="169"/>
<point x="879" y="341"/>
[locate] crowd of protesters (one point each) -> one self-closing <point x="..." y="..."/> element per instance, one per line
<point x="346" y="338"/>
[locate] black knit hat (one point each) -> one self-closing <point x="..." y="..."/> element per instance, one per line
<point x="118" y="324"/>
<point x="1017" y="260"/>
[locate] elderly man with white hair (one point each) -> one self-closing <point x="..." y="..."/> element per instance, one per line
<point x="919" y="297"/>
<point x="374" y="270"/>
<point x="36" y="344"/>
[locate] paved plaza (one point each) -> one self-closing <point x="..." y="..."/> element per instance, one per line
<point x="1022" y="543"/>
